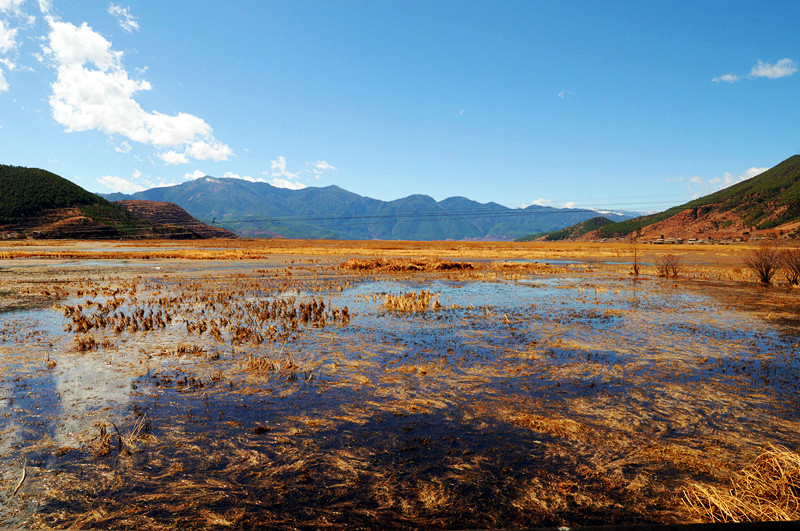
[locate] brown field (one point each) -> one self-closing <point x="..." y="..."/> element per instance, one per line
<point x="320" y="384"/>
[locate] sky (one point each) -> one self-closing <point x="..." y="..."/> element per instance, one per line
<point x="636" y="105"/>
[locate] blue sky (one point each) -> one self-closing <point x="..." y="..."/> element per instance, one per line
<point x="637" y="105"/>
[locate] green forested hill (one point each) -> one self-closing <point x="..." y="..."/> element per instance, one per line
<point x="26" y="191"/>
<point x="38" y="203"/>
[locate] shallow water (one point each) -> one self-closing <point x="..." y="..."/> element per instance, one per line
<point x="540" y="377"/>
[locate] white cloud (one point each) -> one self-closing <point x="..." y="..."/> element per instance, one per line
<point x="8" y="43"/>
<point x="118" y="184"/>
<point x="8" y="37"/>
<point x="783" y="68"/>
<point x="93" y="91"/>
<point x="231" y="175"/>
<point x="697" y="186"/>
<point x="210" y="149"/>
<point x="565" y="94"/>
<point x="124" y="18"/>
<point x="196" y="174"/>
<point x="123" y="147"/>
<point x="729" y="179"/>
<point x="10" y="5"/>
<point x="323" y="165"/>
<point x="727" y="78"/>
<point x="538" y="202"/>
<point x="569" y="204"/>
<point x="172" y="158"/>
<point x="283" y="183"/>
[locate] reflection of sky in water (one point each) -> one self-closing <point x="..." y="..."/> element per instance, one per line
<point x="60" y="403"/>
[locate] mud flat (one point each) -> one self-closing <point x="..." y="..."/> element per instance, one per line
<point x="381" y="384"/>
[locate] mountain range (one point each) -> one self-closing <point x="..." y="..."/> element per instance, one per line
<point x="38" y="203"/>
<point x="257" y="209"/>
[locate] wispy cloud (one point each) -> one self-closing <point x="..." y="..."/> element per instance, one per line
<point x="783" y="68"/>
<point x="564" y="94"/>
<point x="126" y="21"/>
<point x="727" y="78"/>
<point x="118" y="184"/>
<point x="697" y="186"/>
<point x="729" y="178"/>
<point x="278" y="168"/>
<point x="8" y="41"/>
<point x="283" y="178"/>
<point x="93" y="91"/>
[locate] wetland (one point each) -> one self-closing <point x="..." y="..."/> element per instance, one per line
<point x="291" y="384"/>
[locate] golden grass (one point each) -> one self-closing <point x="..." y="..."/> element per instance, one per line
<point x="412" y="302"/>
<point x="767" y="490"/>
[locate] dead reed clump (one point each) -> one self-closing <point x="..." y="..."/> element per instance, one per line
<point x="86" y="343"/>
<point x="767" y="490"/>
<point x="412" y="302"/>
<point x="404" y="264"/>
<point x="263" y="366"/>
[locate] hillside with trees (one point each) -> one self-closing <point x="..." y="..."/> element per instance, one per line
<point x="767" y="205"/>
<point x="36" y="203"/>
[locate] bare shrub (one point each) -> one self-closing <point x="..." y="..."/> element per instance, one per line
<point x="767" y="490"/>
<point x="790" y="261"/>
<point x="634" y="239"/>
<point x="764" y="262"/>
<point x="668" y="265"/>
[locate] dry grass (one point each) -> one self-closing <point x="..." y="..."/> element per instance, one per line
<point x="412" y="302"/>
<point x="404" y="264"/>
<point x="767" y="490"/>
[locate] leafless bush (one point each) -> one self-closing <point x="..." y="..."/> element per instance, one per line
<point x="634" y="239"/>
<point x="764" y="262"/>
<point x="790" y="260"/>
<point x="668" y="265"/>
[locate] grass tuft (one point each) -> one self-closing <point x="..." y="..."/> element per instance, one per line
<point x="767" y="490"/>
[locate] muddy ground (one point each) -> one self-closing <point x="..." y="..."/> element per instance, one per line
<point x="377" y="384"/>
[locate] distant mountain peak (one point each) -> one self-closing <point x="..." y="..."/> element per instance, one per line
<point x="258" y="209"/>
